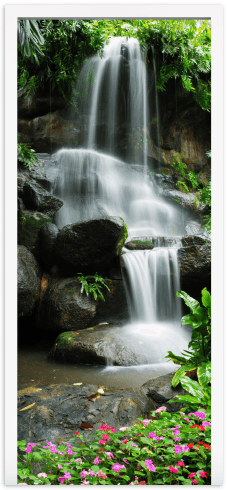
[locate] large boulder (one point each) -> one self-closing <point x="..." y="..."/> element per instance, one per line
<point x="28" y="281"/>
<point x="64" y="307"/>
<point x="194" y="258"/>
<point x="57" y="411"/>
<point x="115" y="307"/>
<point x="89" y="246"/>
<point x="28" y="229"/>
<point x="187" y="201"/>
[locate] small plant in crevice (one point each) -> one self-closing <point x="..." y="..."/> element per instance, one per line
<point x="122" y="242"/>
<point x="183" y="186"/>
<point x="93" y="284"/>
<point x="26" y="155"/>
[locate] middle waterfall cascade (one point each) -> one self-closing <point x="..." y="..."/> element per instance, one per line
<point x="94" y="182"/>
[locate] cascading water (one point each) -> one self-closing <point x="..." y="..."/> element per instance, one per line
<point x="93" y="181"/>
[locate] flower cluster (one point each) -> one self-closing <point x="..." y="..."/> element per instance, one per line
<point x="148" y="455"/>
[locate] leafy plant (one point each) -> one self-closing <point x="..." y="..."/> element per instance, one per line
<point x="200" y="393"/>
<point x="90" y="284"/>
<point x="200" y="344"/>
<point x="183" y="186"/>
<point x="26" y="155"/>
<point x="205" y="198"/>
<point x="178" y="164"/>
<point x="122" y="242"/>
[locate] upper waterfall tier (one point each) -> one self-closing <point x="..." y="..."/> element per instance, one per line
<point x="112" y="95"/>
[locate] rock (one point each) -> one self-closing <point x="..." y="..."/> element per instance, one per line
<point x="115" y="307"/>
<point x="64" y="307"/>
<point x="31" y="105"/>
<point x="35" y="197"/>
<point x="164" y="181"/>
<point x="49" y="133"/>
<point x="102" y="343"/>
<point x="28" y="230"/>
<point x="47" y="237"/>
<point x="139" y="245"/>
<point x="195" y="260"/>
<point x="187" y="201"/>
<point x="59" y="410"/>
<point x="28" y="281"/>
<point x="89" y="246"/>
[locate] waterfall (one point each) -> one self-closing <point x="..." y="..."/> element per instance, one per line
<point x="108" y="176"/>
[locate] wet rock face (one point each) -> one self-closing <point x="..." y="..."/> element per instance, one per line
<point x="195" y="260"/>
<point x="28" y="281"/>
<point x="47" y="237"/>
<point x="139" y="245"/>
<point x="59" y="410"/>
<point x="115" y="307"/>
<point x="90" y="246"/>
<point x="28" y="230"/>
<point x="187" y="201"/>
<point x="51" y="132"/>
<point x="64" y="307"/>
<point x="35" y="197"/>
<point x="31" y="105"/>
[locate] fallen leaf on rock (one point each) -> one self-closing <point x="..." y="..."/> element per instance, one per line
<point x="100" y="391"/>
<point x="86" y="426"/>
<point x="26" y="408"/>
<point x="77" y="384"/>
<point x="94" y="397"/>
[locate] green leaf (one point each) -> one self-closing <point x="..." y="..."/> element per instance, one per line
<point x="192" y="303"/>
<point x="181" y="372"/>
<point x="37" y="456"/>
<point x="204" y="374"/>
<point x="192" y="387"/>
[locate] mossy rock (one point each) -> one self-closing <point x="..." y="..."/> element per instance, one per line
<point x="139" y="245"/>
<point x="28" y="229"/>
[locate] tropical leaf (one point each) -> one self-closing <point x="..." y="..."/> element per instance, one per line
<point x="192" y="303"/>
<point x="204" y="374"/>
<point x="181" y="372"/>
<point x="192" y="387"/>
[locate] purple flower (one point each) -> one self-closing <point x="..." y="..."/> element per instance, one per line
<point x="61" y="479"/>
<point x="28" y="449"/>
<point x="177" y="439"/>
<point x="152" y="435"/>
<point x="149" y="464"/>
<point x="96" y="461"/>
<point x="52" y="449"/>
<point x="205" y="424"/>
<point x="176" y="432"/>
<point x="177" y="449"/>
<point x="200" y="415"/>
<point x="67" y="475"/>
<point x="125" y="461"/>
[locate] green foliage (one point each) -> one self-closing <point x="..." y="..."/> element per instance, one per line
<point x="26" y="155"/>
<point x="200" y="393"/>
<point x="205" y="198"/>
<point x="200" y="344"/>
<point x="178" y="164"/>
<point x="90" y="284"/>
<point x="122" y="242"/>
<point x="60" y="47"/>
<point x="183" y="186"/>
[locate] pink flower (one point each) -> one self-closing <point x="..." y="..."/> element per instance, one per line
<point x="185" y="448"/>
<point x="105" y="437"/>
<point x="124" y="428"/>
<point x="182" y="413"/>
<point x="79" y="460"/>
<point x="83" y="473"/>
<point x="176" y="432"/>
<point x="67" y="475"/>
<point x="203" y="474"/>
<point x="194" y="481"/>
<point x="180" y="463"/>
<point x="91" y="473"/>
<point x="149" y="464"/>
<point x="146" y="422"/>
<point x="85" y="482"/>
<point x="32" y="444"/>
<point x="152" y="435"/>
<point x="97" y="460"/>
<point x="61" y="479"/>
<point x="52" y="449"/>
<point x="177" y="439"/>
<point x="134" y="445"/>
<point x="59" y="466"/>
<point x="125" y="461"/>
<point x="200" y="415"/>
<point x="205" y="424"/>
<point x="177" y="449"/>
<point x="42" y="475"/>
<point x="102" y="441"/>
<point x="28" y="449"/>
<point x="117" y="467"/>
<point x="191" y="475"/>
<point x="48" y="443"/>
<point x="110" y="455"/>
<point x="59" y="452"/>
<point x="173" y="470"/>
<point x="124" y="441"/>
<point x="101" y="474"/>
<point x="161" y="409"/>
<point x="186" y="418"/>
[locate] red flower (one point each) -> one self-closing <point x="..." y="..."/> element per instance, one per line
<point x="82" y="443"/>
<point x="207" y="446"/>
<point x="77" y="433"/>
<point x="142" y="483"/>
<point x="192" y="426"/>
<point x="200" y="427"/>
<point x="190" y="445"/>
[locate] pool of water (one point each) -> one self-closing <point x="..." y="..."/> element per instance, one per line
<point x="34" y="368"/>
